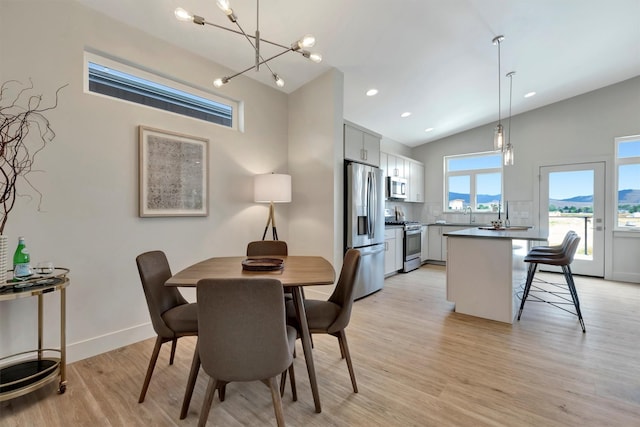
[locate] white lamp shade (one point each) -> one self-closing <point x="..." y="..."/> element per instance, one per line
<point x="272" y="187"/>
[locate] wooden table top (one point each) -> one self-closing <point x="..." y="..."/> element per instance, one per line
<point x="297" y="271"/>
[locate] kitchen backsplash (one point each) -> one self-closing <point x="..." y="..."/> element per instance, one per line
<point x="520" y="213"/>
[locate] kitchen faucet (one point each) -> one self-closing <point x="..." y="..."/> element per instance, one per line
<point x="470" y="213"/>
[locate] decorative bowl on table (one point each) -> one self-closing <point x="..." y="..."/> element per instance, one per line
<point x="262" y="264"/>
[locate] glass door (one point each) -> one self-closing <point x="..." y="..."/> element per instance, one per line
<point x="572" y="198"/>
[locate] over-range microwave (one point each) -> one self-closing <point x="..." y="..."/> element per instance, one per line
<point x="396" y="187"/>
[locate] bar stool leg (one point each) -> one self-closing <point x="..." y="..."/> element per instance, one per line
<point x="574" y="294"/>
<point x="527" y="287"/>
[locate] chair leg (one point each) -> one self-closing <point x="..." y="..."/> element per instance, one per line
<point x="277" y="401"/>
<point x="574" y="294"/>
<point x="342" y="339"/>
<point x="292" y="379"/>
<point x="208" y="401"/>
<point x="174" y="343"/>
<point x="191" y="382"/>
<point x="152" y="365"/>
<point x="283" y="381"/>
<point x="527" y="287"/>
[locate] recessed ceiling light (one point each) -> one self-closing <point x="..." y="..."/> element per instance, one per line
<point x="428" y="129"/>
<point x="405" y="114"/>
<point x="372" y="92"/>
<point x="529" y="95"/>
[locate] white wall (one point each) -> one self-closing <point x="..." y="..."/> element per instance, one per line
<point x="582" y="128"/>
<point x="316" y="166"/>
<point x="88" y="221"/>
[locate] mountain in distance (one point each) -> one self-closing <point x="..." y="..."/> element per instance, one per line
<point x="629" y="196"/>
<point x="482" y="198"/>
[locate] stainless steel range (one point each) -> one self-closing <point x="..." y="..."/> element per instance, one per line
<point x="412" y="243"/>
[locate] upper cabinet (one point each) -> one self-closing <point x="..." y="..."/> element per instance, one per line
<point x="415" y="182"/>
<point x="396" y="166"/>
<point x="361" y="145"/>
<point x="411" y="170"/>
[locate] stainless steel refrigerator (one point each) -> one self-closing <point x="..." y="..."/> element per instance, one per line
<point x="364" y="224"/>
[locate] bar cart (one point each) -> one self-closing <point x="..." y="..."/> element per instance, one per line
<point x="24" y="372"/>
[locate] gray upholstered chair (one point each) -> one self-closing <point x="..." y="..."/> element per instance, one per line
<point x="332" y="316"/>
<point x="172" y="316"/>
<point x="243" y="336"/>
<point x="267" y="248"/>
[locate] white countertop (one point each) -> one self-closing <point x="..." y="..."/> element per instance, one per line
<point x="529" y="234"/>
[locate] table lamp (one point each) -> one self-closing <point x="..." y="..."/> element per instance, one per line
<point x="272" y="188"/>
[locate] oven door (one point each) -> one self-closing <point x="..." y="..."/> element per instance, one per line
<point x="412" y="249"/>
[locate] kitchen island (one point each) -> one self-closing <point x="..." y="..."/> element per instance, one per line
<point x="486" y="270"/>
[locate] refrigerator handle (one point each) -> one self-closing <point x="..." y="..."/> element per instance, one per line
<point x="372" y="202"/>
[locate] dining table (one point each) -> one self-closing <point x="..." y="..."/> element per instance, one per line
<point x="296" y="272"/>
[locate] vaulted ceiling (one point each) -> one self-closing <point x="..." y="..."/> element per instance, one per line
<point x="432" y="58"/>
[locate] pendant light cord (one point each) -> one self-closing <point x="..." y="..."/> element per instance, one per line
<point x="510" y="98"/>
<point x="499" y="91"/>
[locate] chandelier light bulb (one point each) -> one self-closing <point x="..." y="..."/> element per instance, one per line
<point x="307" y="41"/>
<point x="182" y="15"/>
<point x="315" y="57"/>
<point x="219" y="82"/>
<point x="224" y="6"/>
<point x="279" y="81"/>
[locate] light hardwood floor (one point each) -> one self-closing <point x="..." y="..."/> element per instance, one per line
<point x="417" y="364"/>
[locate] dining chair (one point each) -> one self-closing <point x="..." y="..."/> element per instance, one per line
<point x="332" y="316"/>
<point x="555" y="293"/>
<point x="259" y="248"/>
<point x="172" y="316"/>
<point x="243" y="336"/>
<point x="267" y="248"/>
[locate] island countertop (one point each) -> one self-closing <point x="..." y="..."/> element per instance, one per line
<point x="514" y="233"/>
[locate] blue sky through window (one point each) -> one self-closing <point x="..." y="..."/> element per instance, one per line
<point x="629" y="149"/>
<point x="476" y="162"/>
<point x="565" y="185"/>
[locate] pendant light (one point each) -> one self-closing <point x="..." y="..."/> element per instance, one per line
<point x="507" y="156"/>
<point x="498" y="137"/>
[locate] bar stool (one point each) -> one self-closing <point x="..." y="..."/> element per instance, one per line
<point x="560" y="255"/>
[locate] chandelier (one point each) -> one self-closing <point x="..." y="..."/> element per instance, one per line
<point x="300" y="46"/>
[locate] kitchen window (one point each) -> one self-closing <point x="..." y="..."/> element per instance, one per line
<point x="473" y="180"/>
<point x="628" y="182"/>
<point x="117" y="80"/>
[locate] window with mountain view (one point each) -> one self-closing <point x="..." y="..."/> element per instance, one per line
<point x="628" y="182"/>
<point x="473" y="180"/>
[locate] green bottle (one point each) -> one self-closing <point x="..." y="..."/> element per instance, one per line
<point x="21" y="261"/>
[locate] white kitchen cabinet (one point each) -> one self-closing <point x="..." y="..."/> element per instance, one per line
<point x="424" y="249"/>
<point x="435" y="243"/>
<point x="399" y="248"/>
<point x="395" y="166"/>
<point x="389" y="251"/>
<point x="393" y="244"/>
<point x="361" y="146"/>
<point x="438" y="243"/>
<point x="415" y="182"/>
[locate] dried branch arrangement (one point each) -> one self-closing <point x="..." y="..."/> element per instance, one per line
<point x="24" y="132"/>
